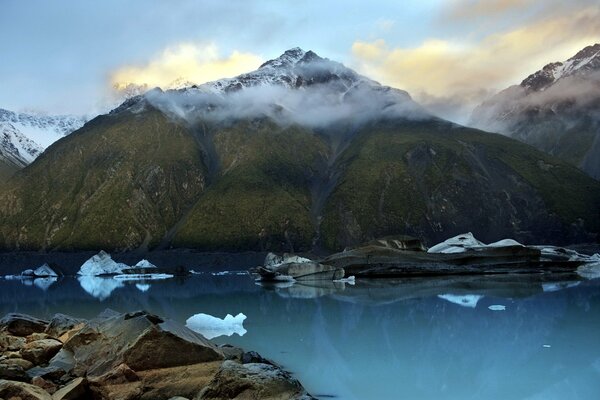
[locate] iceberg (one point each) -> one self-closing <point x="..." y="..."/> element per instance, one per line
<point x="589" y="271"/>
<point x="211" y="327"/>
<point x="100" y="288"/>
<point x="144" y="264"/>
<point x="45" y="271"/>
<point x="101" y="264"/>
<point x="467" y="300"/>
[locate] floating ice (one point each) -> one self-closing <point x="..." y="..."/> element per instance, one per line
<point x="461" y="243"/>
<point x="45" y="271"/>
<point x="554" y="287"/>
<point x="351" y="280"/>
<point x="273" y="260"/>
<point x="466" y="300"/>
<point x="211" y="327"/>
<point x="546" y="346"/>
<point x="101" y="264"/>
<point x="144" y="264"/>
<point x="589" y="271"/>
<point x="497" y="307"/>
<point x="98" y="287"/>
<point x="142" y="277"/>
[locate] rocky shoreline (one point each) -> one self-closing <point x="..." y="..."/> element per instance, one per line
<point x="132" y="356"/>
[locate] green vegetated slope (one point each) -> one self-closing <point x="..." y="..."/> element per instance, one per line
<point x="262" y="197"/>
<point x="117" y="183"/>
<point x="434" y="180"/>
<point x="6" y="171"/>
<point x="130" y="180"/>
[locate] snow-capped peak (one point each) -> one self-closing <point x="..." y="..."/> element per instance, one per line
<point x="583" y="62"/>
<point x="23" y="136"/>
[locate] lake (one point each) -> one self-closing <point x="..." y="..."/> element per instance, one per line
<point x="472" y="337"/>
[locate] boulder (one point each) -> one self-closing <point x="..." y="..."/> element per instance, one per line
<point x="184" y="381"/>
<point x="41" y="351"/>
<point x="37" y="336"/>
<point x="10" y="342"/>
<point x="141" y="340"/>
<point x="61" y="364"/>
<point x="121" y="374"/>
<point x="60" y="324"/>
<point x="22" y="391"/>
<point x="75" y="390"/>
<point x="15" y="369"/>
<point x="48" y="386"/>
<point x="252" y="381"/>
<point x="21" y="324"/>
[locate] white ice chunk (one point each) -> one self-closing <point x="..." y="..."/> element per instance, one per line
<point x="211" y="327"/>
<point x="142" y="277"/>
<point x="589" y="271"/>
<point x="144" y="264"/>
<point x="466" y="300"/>
<point x="554" y="287"/>
<point x="98" y="287"/>
<point x="273" y="260"/>
<point x="462" y="243"/>
<point x="101" y="264"/>
<point x="44" y="271"/>
<point x="497" y="307"/>
<point x="351" y="280"/>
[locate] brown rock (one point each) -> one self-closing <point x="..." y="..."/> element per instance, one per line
<point x="60" y="324"/>
<point x="124" y="391"/>
<point x="10" y="342"/>
<point x="37" y="336"/>
<point x="252" y="381"/>
<point x="21" y="324"/>
<point x="140" y="340"/>
<point x="10" y="369"/>
<point x="121" y="374"/>
<point x="48" y="386"/>
<point x="70" y="333"/>
<point x="184" y="381"/>
<point x="77" y="389"/>
<point x="41" y="351"/>
<point x="23" y="391"/>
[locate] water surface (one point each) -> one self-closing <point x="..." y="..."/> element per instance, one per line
<point x="426" y="338"/>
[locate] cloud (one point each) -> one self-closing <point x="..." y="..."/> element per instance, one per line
<point x="184" y="62"/>
<point x="466" y="72"/>
<point x="468" y="9"/>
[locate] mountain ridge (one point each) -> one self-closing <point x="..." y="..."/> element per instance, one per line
<point x="329" y="163"/>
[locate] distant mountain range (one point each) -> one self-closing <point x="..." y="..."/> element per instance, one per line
<point x="301" y="154"/>
<point x="556" y="109"/>
<point x="23" y="137"/>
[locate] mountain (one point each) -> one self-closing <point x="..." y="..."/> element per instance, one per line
<point x="301" y="154"/>
<point x="556" y="109"/>
<point x="23" y="137"/>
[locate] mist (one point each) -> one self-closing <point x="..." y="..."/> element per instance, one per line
<point x="314" y="106"/>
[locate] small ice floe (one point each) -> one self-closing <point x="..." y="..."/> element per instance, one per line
<point x="546" y="346"/>
<point x="142" y="287"/>
<point x="195" y="272"/>
<point x="101" y="264"/>
<point x="100" y="288"/>
<point x="466" y="300"/>
<point x="351" y="280"/>
<point x="45" y="271"/>
<point x="556" y="286"/>
<point x="211" y="327"/>
<point x="142" y="277"/>
<point x="497" y="307"/>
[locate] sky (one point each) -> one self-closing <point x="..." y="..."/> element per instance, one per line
<point x="72" y="56"/>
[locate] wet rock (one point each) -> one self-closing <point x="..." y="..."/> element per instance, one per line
<point x="41" y="351"/>
<point x="23" y="391"/>
<point x="74" y="390"/>
<point x="48" y="386"/>
<point x="15" y="369"/>
<point x="140" y="340"/>
<point x="252" y="381"/>
<point x="11" y="343"/>
<point x="22" y="325"/>
<point x="60" y="324"/>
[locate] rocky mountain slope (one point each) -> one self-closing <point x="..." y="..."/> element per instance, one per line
<point x="23" y="137"/>
<point x="301" y="154"/>
<point x="555" y="109"/>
